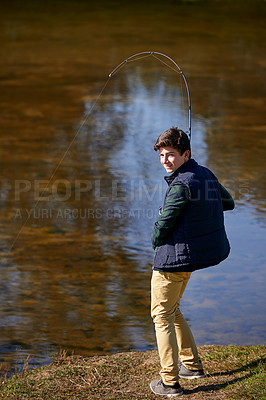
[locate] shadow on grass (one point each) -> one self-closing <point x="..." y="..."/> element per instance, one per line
<point x="251" y="365"/>
<point x="218" y="386"/>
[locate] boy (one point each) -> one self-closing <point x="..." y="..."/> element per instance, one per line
<point x="188" y="235"/>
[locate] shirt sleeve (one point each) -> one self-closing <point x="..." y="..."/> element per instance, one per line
<point x="227" y="199"/>
<point x="176" y="200"/>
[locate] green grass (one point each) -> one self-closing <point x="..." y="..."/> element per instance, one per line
<point x="233" y="372"/>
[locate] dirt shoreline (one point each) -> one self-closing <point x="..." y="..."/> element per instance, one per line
<point x="233" y="372"/>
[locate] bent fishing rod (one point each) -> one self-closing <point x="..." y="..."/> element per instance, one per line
<point x="86" y="114"/>
<point x="177" y="69"/>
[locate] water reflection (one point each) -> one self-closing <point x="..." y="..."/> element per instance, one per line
<point x="77" y="276"/>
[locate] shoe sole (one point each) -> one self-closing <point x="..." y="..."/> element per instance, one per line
<point x="168" y="395"/>
<point x="191" y="377"/>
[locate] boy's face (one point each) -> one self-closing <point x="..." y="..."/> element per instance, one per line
<point x="171" y="159"/>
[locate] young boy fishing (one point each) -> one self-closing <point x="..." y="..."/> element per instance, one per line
<point x="189" y="235"/>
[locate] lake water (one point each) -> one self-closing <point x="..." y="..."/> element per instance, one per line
<point x="81" y="184"/>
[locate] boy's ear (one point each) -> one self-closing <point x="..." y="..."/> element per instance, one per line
<point x="187" y="154"/>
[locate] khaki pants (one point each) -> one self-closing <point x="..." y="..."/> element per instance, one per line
<point x="174" y="338"/>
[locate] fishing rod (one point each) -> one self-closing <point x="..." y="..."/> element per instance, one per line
<point x="87" y="113"/>
<point x="154" y="54"/>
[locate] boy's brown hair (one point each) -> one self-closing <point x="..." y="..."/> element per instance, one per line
<point x="175" y="138"/>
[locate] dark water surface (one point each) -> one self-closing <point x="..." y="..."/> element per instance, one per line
<point x="81" y="184"/>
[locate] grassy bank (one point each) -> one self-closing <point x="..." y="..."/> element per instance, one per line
<point x="233" y="372"/>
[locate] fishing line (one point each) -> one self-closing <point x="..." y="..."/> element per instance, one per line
<point x="87" y="113"/>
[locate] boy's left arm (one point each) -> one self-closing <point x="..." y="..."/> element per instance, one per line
<point x="176" y="199"/>
<point x="227" y="199"/>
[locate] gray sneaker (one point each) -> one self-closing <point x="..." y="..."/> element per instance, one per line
<point x="158" y="387"/>
<point x="190" y="374"/>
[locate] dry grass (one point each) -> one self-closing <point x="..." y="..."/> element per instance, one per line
<point x="233" y="372"/>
